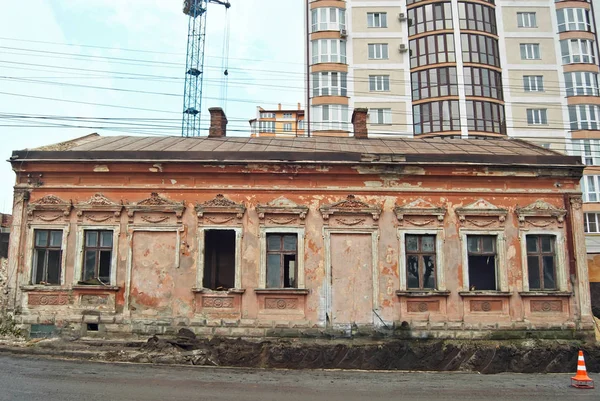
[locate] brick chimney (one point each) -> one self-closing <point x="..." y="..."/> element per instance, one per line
<point x="218" y="123"/>
<point x="359" y="121"/>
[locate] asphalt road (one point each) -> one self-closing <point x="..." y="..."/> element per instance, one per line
<point x="32" y="379"/>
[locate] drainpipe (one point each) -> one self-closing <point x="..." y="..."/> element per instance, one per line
<point x="306" y="52"/>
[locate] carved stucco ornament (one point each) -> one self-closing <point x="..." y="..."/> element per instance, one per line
<point x="281" y="207"/>
<point x="99" y="203"/>
<point x="352" y="206"/>
<point x="49" y="203"/>
<point x="222" y="206"/>
<point x="155" y="204"/>
<point x="540" y="208"/>
<point x="481" y="208"/>
<point x="420" y="208"/>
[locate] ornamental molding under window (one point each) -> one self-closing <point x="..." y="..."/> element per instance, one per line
<point x="350" y="206"/>
<point x="425" y="212"/>
<point x="282" y="211"/>
<point x="49" y="203"/>
<point x="220" y="210"/>
<point x="98" y="203"/>
<point x="155" y="204"/>
<point x="482" y="214"/>
<point x="540" y="210"/>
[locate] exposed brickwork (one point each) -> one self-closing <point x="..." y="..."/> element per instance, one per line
<point x="359" y="120"/>
<point x="218" y="123"/>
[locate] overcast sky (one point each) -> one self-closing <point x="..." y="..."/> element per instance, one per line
<point x="93" y="49"/>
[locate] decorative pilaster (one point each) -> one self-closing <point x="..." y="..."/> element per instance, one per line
<point x="583" y="286"/>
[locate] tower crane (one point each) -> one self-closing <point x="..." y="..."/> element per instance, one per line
<point x="194" y="66"/>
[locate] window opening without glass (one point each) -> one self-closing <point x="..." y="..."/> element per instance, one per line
<point x="219" y="259"/>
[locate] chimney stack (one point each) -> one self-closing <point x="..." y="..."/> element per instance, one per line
<point x="359" y="121"/>
<point x="218" y="123"/>
<point x="299" y="106"/>
<point x="279" y="106"/>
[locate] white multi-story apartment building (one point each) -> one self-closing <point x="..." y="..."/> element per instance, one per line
<point x="518" y="68"/>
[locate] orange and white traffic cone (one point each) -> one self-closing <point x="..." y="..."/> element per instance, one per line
<point x="581" y="379"/>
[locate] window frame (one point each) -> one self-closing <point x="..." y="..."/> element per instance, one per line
<point x="322" y="83"/>
<point x="573" y="51"/>
<point x="525" y="20"/>
<point x="582" y="83"/>
<point x="441" y="18"/>
<point x="530" y="50"/>
<point x="318" y="25"/>
<point x="300" y="254"/>
<point x="287" y="127"/>
<point x="420" y="120"/>
<point x="586" y="222"/>
<point x="383" y="48"/>
<point x="533" y="83"/>
<point x="266" y="126"/>
<point x="384" y="113"/>
<point x="379" y="83"/>
<point x="80" y="246"/>
<point x="382" y="21"/>
<point x="560" y="259"/>
<point x="423" y="85"/>
<point x="587" y="149"/>
<point x="202" y="245"/>
<point x="440" y="279"/>
<point x="477" y="17"/>
<point x="325" y="52"/>
<point x="432" y="49"/>
<point x="586" y="191"/>
<point x="539" y="116"/>
<point x="567" y="24"/>
<point x="587" y="117"/>
<point x="501" y="275"/>
<point x="31" y="247"/>
<point x="478" y="117"/>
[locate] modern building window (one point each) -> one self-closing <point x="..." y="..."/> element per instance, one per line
<point x="329" y="51"/>
<point x="577" y="51"/>
<point x="590" y="188"/>
<point x="420" y="262"/>
<point x="432" y="49"/>
<point x="537" y="116"/>
<point x="574" y="19"/>
<point x="483" y="82"/>
<point x="436" y="117"/>
<point x="533" y="83"/>
<point x="47" y="257"/>
<point x="97" y="257"/>
<point x="541" y="262"/>
<point x="480" y="49"/>
<point x="481" y="253"/>
<point x="267" y="115"/>
<point x="266" y="126"/>
<point x="329" y="117"/>
<point x="582" y="84"/>
<point x="380" y="116"/>
<point x="434" y="82"/>
<point x="378" y="51"/>
<point x="328" y="19"/>
<point x="430" y="17"/>
<point x="588" y="149"/>
<point x="530" y="51"/>
<point x="485" y="117"/>
<point x="591" y="223"/>
<point x="287" y="127"/>
<point x="328" y="83"/>
<point x="379" y="83"/>
<point x="377" y="20"/>
<point x="300" y="124"/>
<point x="526" y="20"/>
<point x="282" y="260"/>
<point x="584" y="117"/>
<point x="477" y="17"/>
<point x="288" y="116"/>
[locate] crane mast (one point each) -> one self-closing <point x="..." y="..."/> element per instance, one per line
<point x="194" y="66"/>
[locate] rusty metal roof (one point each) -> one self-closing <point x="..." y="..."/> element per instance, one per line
<point x="314" y="149"/>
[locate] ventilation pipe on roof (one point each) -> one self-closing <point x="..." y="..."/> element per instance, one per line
<point x="359" y="121"/>
<point x="218" y="123"/>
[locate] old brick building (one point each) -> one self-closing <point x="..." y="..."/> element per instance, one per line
<point x="255" y="236"/>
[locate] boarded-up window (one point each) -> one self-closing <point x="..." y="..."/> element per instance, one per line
<point x="97" y="257"/>
<point x="219" y="259"/>
<point x="420" y="261"/>
<point x="282" y="259"/>
<point x="482" y="262"/>
<point x="541" y="262"/>
<point x="47" y="257"/>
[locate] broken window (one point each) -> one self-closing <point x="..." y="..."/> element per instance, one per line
<point x="219" y="259"/>
<point x="420" y="261"/>
<point x="482" y="262"/>
<point x="97" y="257"/>
<point x="282" y="259"/>
<point x="541" y="262"/>
<point x="47" y="257"/>
<point x="4" y="237"/>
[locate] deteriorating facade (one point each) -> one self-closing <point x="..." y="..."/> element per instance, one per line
<point x="454" y="238"/>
